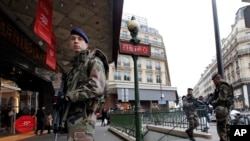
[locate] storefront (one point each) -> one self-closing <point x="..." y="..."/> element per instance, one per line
<point x="22" y="89"/>
<point x="164" y="99"/>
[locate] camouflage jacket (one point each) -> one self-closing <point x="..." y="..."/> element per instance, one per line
<point x="223" y="95"/>
<point x="189" y="106"/>
<point x="88" y="77"/>
<point x="87" y="82"/>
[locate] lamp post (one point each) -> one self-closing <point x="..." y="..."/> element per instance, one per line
<point x="217" y="40"/>
<point x="134" y="27"/>
<point x="135" y="48"/>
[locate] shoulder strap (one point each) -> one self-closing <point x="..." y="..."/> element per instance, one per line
<point x="103" y="58"/>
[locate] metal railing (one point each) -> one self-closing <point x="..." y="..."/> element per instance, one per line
<point x="175" y="118"/>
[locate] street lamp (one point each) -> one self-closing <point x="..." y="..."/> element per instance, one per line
<point x="134" y="27"/>
<point x="217" y="39"/>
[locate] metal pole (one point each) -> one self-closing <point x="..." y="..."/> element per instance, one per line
<point x="137" y="102"/>
<point x="217" y="40"/>
<point x="161" y="92"/>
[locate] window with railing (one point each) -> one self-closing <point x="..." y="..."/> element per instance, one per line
<point x="139" y="63"/>
<point x="139" y="77"/>
<point x="117" y="75"/>
<point x="146" y="39"/>
<point x="126" y="76"/>
<point x="237" y="65"/>
<point x="126" y="62"/>
<point x="157" y="65"/>
<point x="118" y="61"/>
<point x="148" y="64"/>
<point x="155" y="41"/>
<point x="157" y="52"/>
<point x="149" y="78"/>
<point x="158" y="78"/>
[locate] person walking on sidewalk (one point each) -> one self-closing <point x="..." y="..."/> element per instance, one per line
<point x="190" y="108"/>
<point x="40" y="118"/>
<point x="104" y="116"/>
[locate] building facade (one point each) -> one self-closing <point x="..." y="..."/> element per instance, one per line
<point x="153" y="72"/>
<point x="236" y="62"/>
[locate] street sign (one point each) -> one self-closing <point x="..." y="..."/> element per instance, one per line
<point x="25" y="124"/>
<point x="131" y="49"/>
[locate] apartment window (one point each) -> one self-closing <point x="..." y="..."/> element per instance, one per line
<point x="117" y="75"/>
<point x="146" y="39"/>
<point x="158" y="78"/>
<point x="157" y="52"/>
<point x="126" y="62"/>
<point x="148" y="64"/>
<point x="125" y="34"/>
<point x="155" y="41"/>
<point x="157" y="66"/>
<point x="139" y="77"/>
<point x="119" y="61"/>
<point x="139" y="63"/>
<point x="126" y="76"/>
<point x="237" y="65"/>
<point x="149" y="78"/>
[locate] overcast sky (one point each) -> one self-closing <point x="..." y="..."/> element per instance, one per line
<point x="188" y="33"/>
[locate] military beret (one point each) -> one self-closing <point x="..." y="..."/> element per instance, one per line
<point x="78" y="31"/>
<point x="190" y="89"/>
<point x="215" y="75"/>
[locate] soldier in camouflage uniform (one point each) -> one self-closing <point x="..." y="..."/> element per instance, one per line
<point x="86" y="84"/>
<point x="222" y="100"/>
<point x="190" y="108"/>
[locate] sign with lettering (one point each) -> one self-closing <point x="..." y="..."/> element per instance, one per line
<point x="51" y="53"/>
<point x="131" y="49"/>
<point x="25" y="124"/>
<point x="14" y="36"/>
<point x="43" y="21"/>
<point x="238" y="132"/>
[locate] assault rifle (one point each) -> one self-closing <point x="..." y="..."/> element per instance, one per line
<point x="209" y="98"/>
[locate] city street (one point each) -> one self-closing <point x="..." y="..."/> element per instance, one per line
<point x="102" y="134"/>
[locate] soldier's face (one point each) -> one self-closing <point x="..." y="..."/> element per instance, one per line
<point x="190" y="91"/>
<point x="216" y="80"/>
<point x="77" y="43"/>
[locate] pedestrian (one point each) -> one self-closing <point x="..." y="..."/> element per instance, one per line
<point x="203" y="114"/>
<point x="104" y="116"/>
<point x="222" y="101"/>
<point x="49" y="120"/>
<point x="40" y="120"/>
<point x="190" y="108"/>
<point x="86" y="86"/>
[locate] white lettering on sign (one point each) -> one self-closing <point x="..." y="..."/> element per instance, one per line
<point x="240" y="132"/>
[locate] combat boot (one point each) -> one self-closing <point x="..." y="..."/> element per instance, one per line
<point x="191" y="135"/>
<point x="188" y="133"/>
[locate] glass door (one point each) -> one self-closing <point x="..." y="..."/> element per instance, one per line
<point x="9" y="101"/>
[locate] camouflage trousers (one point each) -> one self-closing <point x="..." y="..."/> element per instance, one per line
<point x="192" y="122"/>
<point x="223" y="130"/>
<point x="80" y="129"/>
